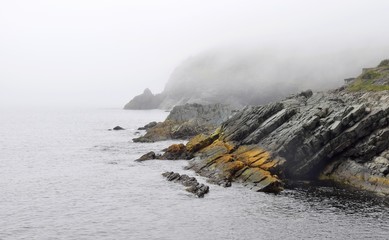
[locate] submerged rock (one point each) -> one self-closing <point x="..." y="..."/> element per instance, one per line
<point x="118" y="128"/>
<point x="191" y="183"/>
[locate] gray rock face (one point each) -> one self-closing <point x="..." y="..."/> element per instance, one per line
<point x="187" y="121"/>
<point x="339" y="132"/>
<point x="213" y="114"/>
<point x="309" y="132"/>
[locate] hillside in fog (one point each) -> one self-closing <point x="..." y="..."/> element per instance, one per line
<point x="252" y="77"/>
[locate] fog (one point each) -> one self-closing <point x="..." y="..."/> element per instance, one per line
<point x="102" y="53"/>
<point x="251" y="76"/>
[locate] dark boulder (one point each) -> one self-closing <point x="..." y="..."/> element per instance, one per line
<point x="174" y="152"/>
<point x="148" y="156"/>
<point x="147" y="126"/>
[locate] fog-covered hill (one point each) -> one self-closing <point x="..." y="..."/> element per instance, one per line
<point x="251" y="77"/>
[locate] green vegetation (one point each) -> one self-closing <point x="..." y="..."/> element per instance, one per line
<point x="384" y="63"/>
<point x="366" y="85"/>
<point x="370" y="74"/>
<point x="368" y="80"/>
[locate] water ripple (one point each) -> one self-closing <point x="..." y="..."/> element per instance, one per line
<point x="64" y="176"/>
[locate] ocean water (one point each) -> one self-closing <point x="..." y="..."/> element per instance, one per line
<point x="63" y="175"/>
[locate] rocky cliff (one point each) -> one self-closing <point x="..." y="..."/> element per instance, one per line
<point x="298" y="138"/>
<point x="340" y="135"/>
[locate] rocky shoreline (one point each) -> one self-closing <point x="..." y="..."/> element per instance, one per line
<point x="186" y="121"/>
<point x="339" y="135"/>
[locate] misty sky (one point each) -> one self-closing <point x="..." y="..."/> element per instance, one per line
<point x="102" y="53"/>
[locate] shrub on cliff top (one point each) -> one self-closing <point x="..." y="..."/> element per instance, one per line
<point x="384" y="63"/>
<point x="369" y="75"/>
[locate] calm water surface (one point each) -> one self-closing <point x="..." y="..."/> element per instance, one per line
<point x="64" y="176"/>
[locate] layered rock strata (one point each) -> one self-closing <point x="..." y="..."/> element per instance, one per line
<point x="335" y="135"/>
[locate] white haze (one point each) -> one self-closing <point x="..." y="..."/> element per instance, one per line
<point x="102" y="53"/>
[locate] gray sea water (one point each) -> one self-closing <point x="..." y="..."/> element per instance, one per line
<point x="64" y="176"/>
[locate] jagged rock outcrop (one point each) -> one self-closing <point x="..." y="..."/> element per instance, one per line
<point x="298" y="137"/>
<point x="340" y="135"/>
<point x="146" y="100"/>
<point x="187" y="121"/>
<point x="193" y="186"/>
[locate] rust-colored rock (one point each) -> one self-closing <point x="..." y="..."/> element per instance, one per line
<point x="357" y="175"/>
<point x="250" y="165"/>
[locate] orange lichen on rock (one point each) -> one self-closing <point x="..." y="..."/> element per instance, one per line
<point x="254" y="175"/>
<point x="254" y="156"/>
<point x="232" y="167"/>
<point x="196" y="142"/>
<point x="176" y="148"/>
<point x="261" y="180"/>
<point x="356" y="175"/>
<point x="270" y="164"/>
<point x="222" y="160"/>
<point x="218" y="147"/>
<point x="364" y="181"/>
<point x="201" y="141"/>
<point x="249" y="164"/>
<point x="225" y="159"/>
